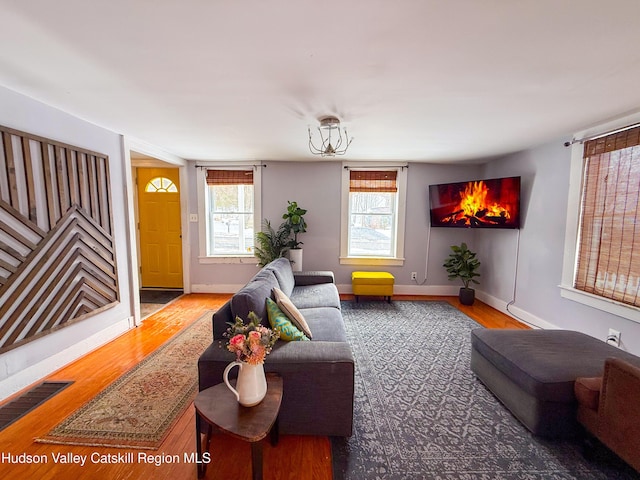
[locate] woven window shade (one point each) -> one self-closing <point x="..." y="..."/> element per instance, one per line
<point x="373" y="181"/>
<point x="613" y="142"/>
<point x="229" y="177"/>
<point x="609" y="247"/>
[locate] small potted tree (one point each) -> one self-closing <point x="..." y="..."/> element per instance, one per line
<point x="462" y="264"/>
<point x="294" y="220"/>
<point x="270" y="243"/>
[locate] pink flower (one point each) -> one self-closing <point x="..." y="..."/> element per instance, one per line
<point x="250" y="342"/>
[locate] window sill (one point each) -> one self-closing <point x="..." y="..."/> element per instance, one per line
<point x="230" y="259"/>
<point x="610" y="306"/>
<point x="372" y="261"/>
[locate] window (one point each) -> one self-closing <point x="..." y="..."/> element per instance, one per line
<point x="608" y="262"/>
<point x="229" y="210"/>
<point x="602" y="242"/>
<point x="373" y="215"/>
<point x="160" y="185"/>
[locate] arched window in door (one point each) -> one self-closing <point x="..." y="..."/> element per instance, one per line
<point x="161" y="185"/>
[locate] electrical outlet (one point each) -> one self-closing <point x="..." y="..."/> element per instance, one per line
<point x="414" y="275"/>
<point x="613" y="338"/>
<point x="193" y="217"/>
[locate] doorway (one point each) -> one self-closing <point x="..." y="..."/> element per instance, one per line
<point x="159" y="228"/>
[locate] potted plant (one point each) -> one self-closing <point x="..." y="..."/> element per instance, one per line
<point x="271" y="243"/>
<point x="462" y="264"/>
<point x="294" y="220"/>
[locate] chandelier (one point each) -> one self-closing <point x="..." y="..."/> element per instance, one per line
<point x="331" y="138"/>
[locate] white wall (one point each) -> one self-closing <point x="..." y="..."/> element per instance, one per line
<point x="545" y="181"/>
<point x="316" y="186"/>
<point x="26" y="364"/>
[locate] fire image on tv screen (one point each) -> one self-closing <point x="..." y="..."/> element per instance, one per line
<point x="493" y="203"/>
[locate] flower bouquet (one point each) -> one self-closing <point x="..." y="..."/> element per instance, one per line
<point x="251" y="342"/>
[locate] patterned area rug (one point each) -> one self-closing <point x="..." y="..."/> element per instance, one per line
<point x="421" y="413"/>
<point x="139" y="409"/>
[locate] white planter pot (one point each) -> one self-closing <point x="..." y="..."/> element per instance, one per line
<point x="295" y="256"/>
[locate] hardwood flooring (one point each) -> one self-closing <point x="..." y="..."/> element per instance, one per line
<point x="295" y="457"/>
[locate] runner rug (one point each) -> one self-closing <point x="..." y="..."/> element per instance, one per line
<point x="139" y="409"/>
<point x="420" y="412"/>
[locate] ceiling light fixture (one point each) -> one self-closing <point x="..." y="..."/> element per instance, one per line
<point x="330" y="131"/>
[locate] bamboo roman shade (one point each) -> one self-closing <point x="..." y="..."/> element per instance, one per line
<point x="373" y="181"/>
<point x="609" y="246"/>
<point x="229" y="177"/>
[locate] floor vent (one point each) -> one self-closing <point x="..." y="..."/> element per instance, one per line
<point x="19" y="407"/>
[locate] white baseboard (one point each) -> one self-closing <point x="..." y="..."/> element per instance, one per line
<point x="440" y="290"/>
<point x="210" y="288"/>
<point x="40" y="370"/>
<point x="436" y="290"/>
<point x="342" y="288"/>
<point x="515" y="312"/>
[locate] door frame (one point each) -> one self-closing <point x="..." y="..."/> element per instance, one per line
<point x="139" y="154"/>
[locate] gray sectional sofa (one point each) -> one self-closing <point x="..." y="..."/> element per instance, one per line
<point x="318" y="376"/>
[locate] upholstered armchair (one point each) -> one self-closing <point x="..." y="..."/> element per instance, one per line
<point x="609" y="408"/>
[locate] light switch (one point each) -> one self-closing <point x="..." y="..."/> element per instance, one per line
<point x="193" y="217"/>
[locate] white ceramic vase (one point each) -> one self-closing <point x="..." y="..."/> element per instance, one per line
<point x="251" y="386"/>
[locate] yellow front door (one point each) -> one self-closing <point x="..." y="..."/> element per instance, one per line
<point x="160" y="229"/>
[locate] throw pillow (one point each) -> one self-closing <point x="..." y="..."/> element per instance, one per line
<point x="290" y="310"/>
<point x="277" y="319"/>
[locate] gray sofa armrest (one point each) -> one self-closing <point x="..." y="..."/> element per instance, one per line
<point x="313" y="277"/>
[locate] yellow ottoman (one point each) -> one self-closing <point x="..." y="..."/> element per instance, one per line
<point x="372" y="283"/>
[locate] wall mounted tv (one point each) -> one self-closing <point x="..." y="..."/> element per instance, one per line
<point x="493" y="203"/>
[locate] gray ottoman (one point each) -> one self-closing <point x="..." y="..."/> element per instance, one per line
<point x="532" y="373"/>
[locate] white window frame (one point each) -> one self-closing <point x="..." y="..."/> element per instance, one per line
<point x="573" y="227"/>
<point x="201" y="180"/>
<point x="401" y="208"/>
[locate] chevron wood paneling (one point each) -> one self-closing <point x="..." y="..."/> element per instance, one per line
<point x="57" y="253"/>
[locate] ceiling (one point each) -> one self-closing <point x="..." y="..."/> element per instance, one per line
<point x="416" y="80"/>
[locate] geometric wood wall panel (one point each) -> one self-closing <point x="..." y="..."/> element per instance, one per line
<point x="57" y="252"/>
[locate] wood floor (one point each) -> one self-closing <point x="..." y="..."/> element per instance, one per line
<point x="295" y="457"/>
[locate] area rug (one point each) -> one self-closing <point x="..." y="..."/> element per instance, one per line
<point x="139" y="409"/>
<point x="421" y="413"/>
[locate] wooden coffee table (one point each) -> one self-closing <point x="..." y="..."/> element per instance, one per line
<point x="219" y="408"/>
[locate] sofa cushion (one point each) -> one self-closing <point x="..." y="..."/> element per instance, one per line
<point x="277" y="319"/>
<point x="326" y="323"/>
<point x="290" y="310"/>
<point x="311" y="296"/>
<point x="252" y="296"/>
<point x="281" y="268"/>
<point x="221" y="319"/>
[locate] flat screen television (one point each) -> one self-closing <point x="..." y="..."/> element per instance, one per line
<point x="493" y="203"/>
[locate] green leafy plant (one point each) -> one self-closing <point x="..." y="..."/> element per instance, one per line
<point x="294" y="219"/>
<point x="270" y="243"/>
<point x="462" y="264"/>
